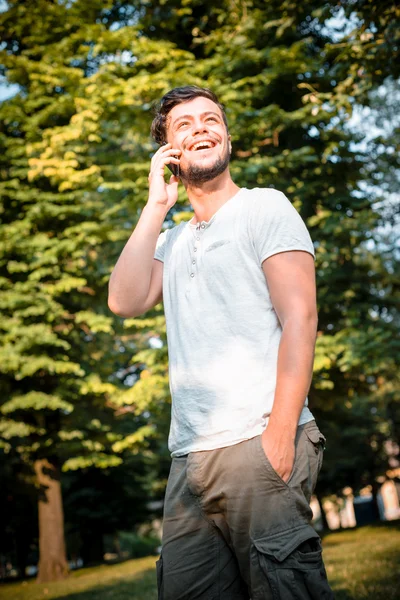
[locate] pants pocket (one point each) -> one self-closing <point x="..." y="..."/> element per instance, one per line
<point x="290" y="567"/>
<point x="316" y="445"/>
<point x="317" y="439"/>
<point x="159" y="571"/>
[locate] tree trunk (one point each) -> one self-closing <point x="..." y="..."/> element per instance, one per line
<point x="53" y="560"/>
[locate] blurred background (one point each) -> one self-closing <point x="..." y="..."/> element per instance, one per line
<point x="312" y="96"/>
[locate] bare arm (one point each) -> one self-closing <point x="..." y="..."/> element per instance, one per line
<point x="136" y="282"/>
<point x="291" y="281"/>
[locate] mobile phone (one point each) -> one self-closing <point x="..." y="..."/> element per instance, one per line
<point x="173" y="168"/>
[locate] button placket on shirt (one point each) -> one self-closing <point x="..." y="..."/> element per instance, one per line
<point x="200" y="228"/>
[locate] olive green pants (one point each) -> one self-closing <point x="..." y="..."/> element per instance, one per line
<point x="234" y="530"/>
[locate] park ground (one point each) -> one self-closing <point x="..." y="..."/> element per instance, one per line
<point x="361" y="563"/>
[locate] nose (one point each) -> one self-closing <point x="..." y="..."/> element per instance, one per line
<point x="199" y="126"/>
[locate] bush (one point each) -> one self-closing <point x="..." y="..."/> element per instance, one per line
<point x="144" y="546"/>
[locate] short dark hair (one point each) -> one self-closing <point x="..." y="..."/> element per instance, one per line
<point x="171" y="99"/>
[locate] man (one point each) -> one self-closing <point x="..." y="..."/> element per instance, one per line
<point x="238" y="285"/>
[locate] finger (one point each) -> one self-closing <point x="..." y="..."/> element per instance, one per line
<point x="172" y="152"/>
<point x="173" y="179"/>
<point x="163" y="162"/>
<point x="167" y="149"/>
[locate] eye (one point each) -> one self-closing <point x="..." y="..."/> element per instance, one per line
<point x="212" y="119"/>
<point x="182" y="124"/>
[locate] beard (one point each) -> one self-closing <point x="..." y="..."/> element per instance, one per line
<point x="197" y="174"/>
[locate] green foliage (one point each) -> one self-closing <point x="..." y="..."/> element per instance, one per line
<point x="368" y="52"/>
<point x="70" y="173"/>
<point x="143" y="546"/>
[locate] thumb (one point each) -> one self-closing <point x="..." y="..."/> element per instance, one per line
<point x="173" y="179"/>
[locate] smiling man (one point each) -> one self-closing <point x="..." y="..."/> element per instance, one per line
<point x="238" y="286"/>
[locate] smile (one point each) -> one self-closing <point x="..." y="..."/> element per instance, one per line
<point x="202" y="145"/>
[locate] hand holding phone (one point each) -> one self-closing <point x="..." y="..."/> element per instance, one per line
<point x="161" y="192"/>
<point x="174" y="168"/>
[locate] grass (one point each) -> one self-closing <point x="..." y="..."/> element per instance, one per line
<point x="362" y="563"/>
<point x="130" y="580"/>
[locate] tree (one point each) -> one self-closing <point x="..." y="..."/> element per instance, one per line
<point x="368" y="52"/>
<point x="59" y="355"/>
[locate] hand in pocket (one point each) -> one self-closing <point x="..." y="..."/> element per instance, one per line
<point x="279" y="449"/>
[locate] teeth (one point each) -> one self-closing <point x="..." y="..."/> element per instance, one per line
<point x="202" y="144"/>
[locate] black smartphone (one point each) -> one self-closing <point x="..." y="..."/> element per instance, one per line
<point x="173" y="168"/>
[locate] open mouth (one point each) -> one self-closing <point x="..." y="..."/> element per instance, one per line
<point x="204" y="145"/>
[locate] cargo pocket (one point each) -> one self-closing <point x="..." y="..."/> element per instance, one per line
<point x="316" y="438"/>
<point x="160" y="586"/>
<point x="316" y="443"/>
<point x="290" y="567"/>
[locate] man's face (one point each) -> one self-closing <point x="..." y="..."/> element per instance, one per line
<point x="198" y="130"/>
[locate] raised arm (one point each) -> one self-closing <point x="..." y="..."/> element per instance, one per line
<point x="136" y="282"/>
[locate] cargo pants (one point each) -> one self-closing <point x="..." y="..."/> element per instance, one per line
<point x="234" y="530"/>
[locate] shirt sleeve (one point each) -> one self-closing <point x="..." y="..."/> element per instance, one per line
<point x="159" y="253"/>
<point x="278" y="227"/>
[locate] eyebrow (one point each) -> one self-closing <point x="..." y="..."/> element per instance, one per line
<point x="204" y="114"/>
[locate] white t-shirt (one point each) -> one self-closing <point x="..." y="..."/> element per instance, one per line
<point x="222" y="330"/>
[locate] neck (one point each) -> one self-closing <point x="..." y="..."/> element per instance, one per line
<point x="210" y="196"/>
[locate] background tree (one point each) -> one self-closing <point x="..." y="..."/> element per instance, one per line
<point x="60" y="357"/>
